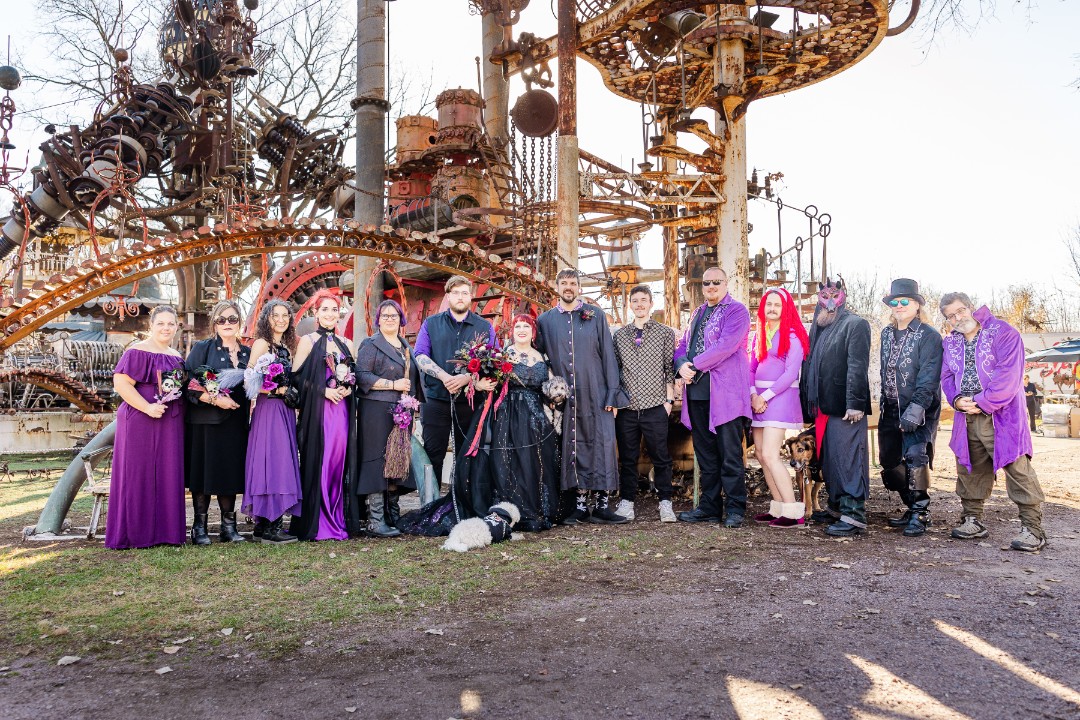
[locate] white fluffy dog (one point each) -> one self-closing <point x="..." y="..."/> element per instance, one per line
<point x="495" y="527"/>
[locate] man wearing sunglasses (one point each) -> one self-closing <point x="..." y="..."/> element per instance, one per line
<point x="980" y="377"/>
<point x="910" y="403"/>
<point x="713" y="363"/>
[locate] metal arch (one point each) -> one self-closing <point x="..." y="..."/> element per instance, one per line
<point x="289" y="279"/>
<point x="66" y="291"/>
<point x="58" y="383"/>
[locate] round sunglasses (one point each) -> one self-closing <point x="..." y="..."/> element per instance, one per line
<point x="902" y="301"/>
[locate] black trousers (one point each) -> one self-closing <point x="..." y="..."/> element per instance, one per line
<point x="630" y="427"/>
<point x="895" y="447"/>
<point x="437" y="420"/>
<point x="720" y="460"/>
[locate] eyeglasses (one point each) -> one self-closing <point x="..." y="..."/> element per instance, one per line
<point x="230" y="320"/>
<point x="389" y="316"/>
<point x="959" y="313"/>
<point x="711" y="283"/>
<point x="902" y="301"/>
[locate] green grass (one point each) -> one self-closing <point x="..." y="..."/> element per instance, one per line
<point x="77" y="598"/>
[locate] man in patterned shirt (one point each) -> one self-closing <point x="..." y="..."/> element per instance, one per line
<point x="980" y="377"/>
<point x="645" y="350"/>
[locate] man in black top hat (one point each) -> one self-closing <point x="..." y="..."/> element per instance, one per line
<point x="910" y="403"/>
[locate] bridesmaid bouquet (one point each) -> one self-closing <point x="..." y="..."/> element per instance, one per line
<point x="398" y="456"/>
<point x="266" y="375"/>
<point x="215" y="383"/>
<point x="170" y="385"/>
<point x="341" y="373"/>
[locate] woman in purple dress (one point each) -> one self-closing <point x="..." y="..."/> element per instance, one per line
<point x="146" y="503"/>
<point x="325" y="433"/>
<point x="273" y="467"/>
<point x="776" y="356"/>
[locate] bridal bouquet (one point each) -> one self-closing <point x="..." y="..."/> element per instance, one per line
<point x="484" y="361"/>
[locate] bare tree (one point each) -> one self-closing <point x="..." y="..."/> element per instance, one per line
<point x="311" y="70"/>
<point x="864" y="293"/>
<point x="966" y="15"/>
<point x="80" y="38"/>
<point x="1072" y="245"/>
<point x="1023" y="307"/>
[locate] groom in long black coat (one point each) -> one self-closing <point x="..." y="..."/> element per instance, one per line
<point x="576" y="339"/>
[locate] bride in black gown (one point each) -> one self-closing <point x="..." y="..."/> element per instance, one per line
<point x="517" y="457"/>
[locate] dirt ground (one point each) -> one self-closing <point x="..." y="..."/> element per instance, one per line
<point x="701" y="623"/>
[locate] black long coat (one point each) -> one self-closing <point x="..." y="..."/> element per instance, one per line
<point x="215" y="441"/>
<point x="375" y="359"/>
<point x="835" y="376"/>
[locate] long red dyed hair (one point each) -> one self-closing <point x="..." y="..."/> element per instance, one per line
<point x="789" y="323"/>
<point x="525" y="318"/>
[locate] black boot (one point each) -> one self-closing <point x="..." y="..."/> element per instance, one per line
<point x="261" y="526"/>
<point x="920" y="516"/>
<point x="228" y="529"/>
<point x="902" y="520"/>
<point x="198" y="530"/>
<point x="602" y="514"/>
<point x="377" y="526"/>
<point x="274" y="535"/>
<point x="919" y="484"/>
<point x="393" y="508"/>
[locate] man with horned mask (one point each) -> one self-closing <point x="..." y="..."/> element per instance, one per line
<point x="835" y="390"/>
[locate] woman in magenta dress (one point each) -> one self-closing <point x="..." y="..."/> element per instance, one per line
<point x="776" y="356"/>
<point x="146" y="502"/>
<point x="273" y="467"/>
<point x="325" y="433"/>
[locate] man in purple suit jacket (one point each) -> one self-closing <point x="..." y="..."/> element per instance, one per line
<point x="713" y="362"/>
<point x="980" y="377"/>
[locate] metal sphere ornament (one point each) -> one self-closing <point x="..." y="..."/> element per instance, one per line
<point x="251" y="4"/>
<point x="9" y="78"/>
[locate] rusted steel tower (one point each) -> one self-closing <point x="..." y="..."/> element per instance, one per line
<point x="678" y="56"/>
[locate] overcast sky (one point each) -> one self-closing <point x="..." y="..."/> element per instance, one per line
<point x="958" y="164"/>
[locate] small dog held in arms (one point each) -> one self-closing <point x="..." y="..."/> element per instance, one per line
<point x="495" y="527"/>
<point x="803" y="452"/>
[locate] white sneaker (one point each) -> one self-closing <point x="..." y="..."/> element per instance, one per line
<point x="667" y="513"/>
<point x="625" y="508"/>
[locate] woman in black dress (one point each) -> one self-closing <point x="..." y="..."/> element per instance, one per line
<point x="385" y="371"/>
<point x="516" y="455"/>
<point x="215" y="444"/>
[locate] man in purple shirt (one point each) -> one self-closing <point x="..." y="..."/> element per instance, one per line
<point x="440" y="337"/>
<point x="712" y="361"/>
<point x="980" y="377"/>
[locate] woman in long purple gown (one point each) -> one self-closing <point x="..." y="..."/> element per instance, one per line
<point x="325" y="431"/>
<point x="272" y="468"/>
<point x="146" y="502"/>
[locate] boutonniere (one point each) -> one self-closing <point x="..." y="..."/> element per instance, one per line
<point x="587" y="314"/>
